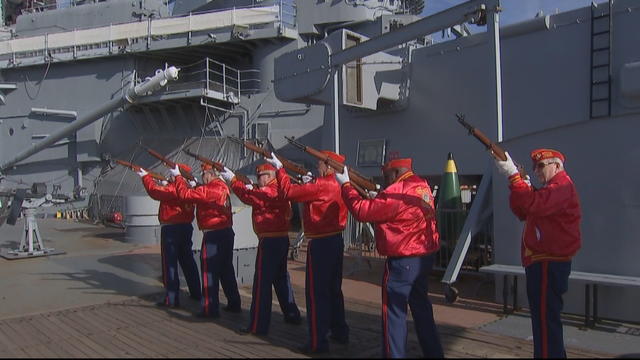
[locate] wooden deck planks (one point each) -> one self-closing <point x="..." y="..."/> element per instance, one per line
<point x="137" y="328"/>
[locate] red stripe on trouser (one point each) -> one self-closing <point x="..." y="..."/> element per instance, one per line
<point x="543" y="310"/>
<point x="205" y="277"/>
<point x="385" y="311"/>
<point x="314" y="320"/>
<point x="256" y="296"/>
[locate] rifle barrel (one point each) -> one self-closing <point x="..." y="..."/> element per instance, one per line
<point x="187" y="174"/>
<point x="356" y="177"/>
<point x="217" y="165"/>
<point x="137" y="168"/>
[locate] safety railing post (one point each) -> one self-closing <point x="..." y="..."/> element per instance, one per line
<point x="207" y="72"/>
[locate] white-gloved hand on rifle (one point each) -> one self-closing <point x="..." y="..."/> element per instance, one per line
<point x="142" y="172"/>
<point x="343" y="177"/>
<point x="307" y="178"/>
<point x="274" y="161"/>
<point x="227" y="175"/>
<point x="175" y="171"/>
<point x="507" y="167"/>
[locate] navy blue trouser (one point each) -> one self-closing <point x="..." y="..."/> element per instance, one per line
<point x="175" y="247"/>
<point x="216" y="262"/>
<point x="406" y="281"/>
<point x="323" y="290"/>
<point x="547" y="281"/>
<point x="271" y="270"/>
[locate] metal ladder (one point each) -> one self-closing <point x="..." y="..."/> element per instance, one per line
<point x="601" y="44"/>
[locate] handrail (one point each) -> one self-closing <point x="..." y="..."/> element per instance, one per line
<point x="139" y="30"/>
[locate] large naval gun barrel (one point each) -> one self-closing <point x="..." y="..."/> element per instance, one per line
<point x="131" y="95"/>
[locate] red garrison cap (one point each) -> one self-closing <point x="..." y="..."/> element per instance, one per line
<point x="185" y="167"/>
<point x="337" y="157"/>
<point x="398" y="163"/>
<point x="205" y="167"/>
<point x="264" y="168"/>
<point x="541" y="154"/>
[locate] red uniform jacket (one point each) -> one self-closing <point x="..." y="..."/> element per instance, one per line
<point x="213" y="209"/>
<point x="172" y="210"/>
<point x="403" y="216"/>
<point x="271" y="213"/>
<point x="552" y="215"/>
<point x="324" y="212"/>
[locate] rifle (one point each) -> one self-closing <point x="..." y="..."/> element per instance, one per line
<point x="357" y="179"/>
<point x="216" y="165"/>
<point x="287" y="164"/>
<point x="137" y="168"/>
<point x="170" y="164"/>
<point x="496" y="151"/>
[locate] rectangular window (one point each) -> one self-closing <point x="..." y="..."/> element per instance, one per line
<point x="353" y="74"/>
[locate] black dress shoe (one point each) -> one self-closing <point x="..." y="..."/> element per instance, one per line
<point x="306" y="349"/>
<point x="339" y="340"/>
<point x="293" y="320"/>
<point x="202" y="315"/>
<point x="232" y="309"/>
<point x="165" y="305"/>
<point x="243" y="331"/>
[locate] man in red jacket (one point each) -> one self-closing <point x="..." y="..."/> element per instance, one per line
<point x="324" y="217"/>
<point x="214" y="217"/>
<point x="405" y="232"/>
<point x="271" y="214"/>
<point x="175" y="217"/>
<point x="551" y="237"/>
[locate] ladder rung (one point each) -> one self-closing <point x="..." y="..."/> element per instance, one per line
<point x="601" y="49"/>
<point x="599" y="99"/>
<point x="600" y="16"/>
<point x="599" y="66"/>
<point x="601" y="32"/>
<point x="600" y="82"/>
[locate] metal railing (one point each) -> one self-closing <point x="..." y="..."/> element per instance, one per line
<point x="287" y="12"/>
<point x="118" y="38"/>
<point x="211" y="75"/>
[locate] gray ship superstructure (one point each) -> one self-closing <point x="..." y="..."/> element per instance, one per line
<point x="361" y="77"/>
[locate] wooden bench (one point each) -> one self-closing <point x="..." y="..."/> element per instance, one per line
<point x="590" y="280"/>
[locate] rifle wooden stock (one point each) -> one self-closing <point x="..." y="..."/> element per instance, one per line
<point x="496" y="151"/>
<point x="356" y="177"/>
<point x="287" y="164"/>
<point x="137" y="168"/>
<point x="187" y="174"/>
<point x="216" y="165"/>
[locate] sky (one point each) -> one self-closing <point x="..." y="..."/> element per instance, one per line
<point x="515" y="10"/>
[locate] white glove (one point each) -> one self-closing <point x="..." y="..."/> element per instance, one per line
<point x="307" y="178"/>
<point x="164" y="182"/>
<point x="142" y="172"/>
<point x="506" y="168"/>
<point x="527" y="180"/>
<point x="274" y="161"/>
<point x="192" y="183"/>
<point x="227" y="174"/>
<point x="248" y="186"/>
<point x="342" y="177"/>
<point x="372" y="194"/>
<point x="175" y="171"/>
